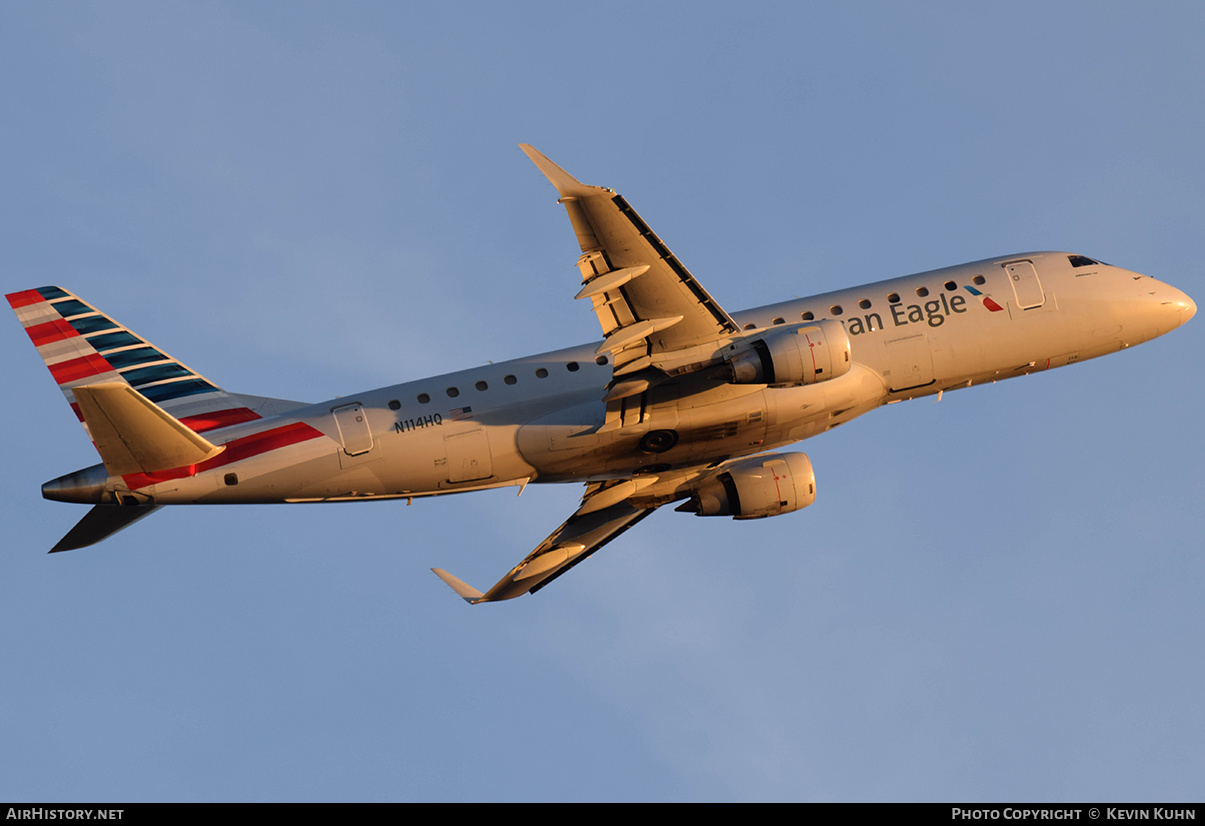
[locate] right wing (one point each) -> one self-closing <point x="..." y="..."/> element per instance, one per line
<point x="648" y="304"/>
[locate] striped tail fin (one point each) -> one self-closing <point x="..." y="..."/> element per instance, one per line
<point x="83" y="346"/>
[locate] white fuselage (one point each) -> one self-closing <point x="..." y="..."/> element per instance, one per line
<point x="538" y="418"/>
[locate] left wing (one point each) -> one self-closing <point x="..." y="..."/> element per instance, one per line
<point x="588" y="529"/>
<point x="607" y="509"/>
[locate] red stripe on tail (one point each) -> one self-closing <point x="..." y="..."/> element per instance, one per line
<point x="80" y="368"/>
<point x="50" y="332"/>
<point x="24" y="298"/>
<point x="222" y="418"/>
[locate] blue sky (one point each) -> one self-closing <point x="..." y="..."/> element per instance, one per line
<point x="995" y="597"/>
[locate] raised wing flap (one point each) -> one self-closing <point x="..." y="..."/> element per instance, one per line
<point x="615" y="244"/>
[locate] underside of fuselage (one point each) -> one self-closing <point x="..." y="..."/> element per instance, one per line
<point x="541" y="419"/>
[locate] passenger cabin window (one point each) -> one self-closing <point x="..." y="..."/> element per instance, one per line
<point x="808" y="316"/>
<point x="979" y="280"/>
<point x="482" y="386"/>
<point x="510" y="379"/>
<point x="922" y="291"/>
<point x="864" y="303"/>
<point x="893" y="298"/>
<point x="836" y="309"/>
<point x="601" y="360"/>
<point x="573" y="367"/>
<point x="395" y="405"/>
<point x="423" y="398"/>
<point x="750" y="326"/>
<point x="452" y="392"/>
<point x="780" y="321"/>
<point x="541" y="373"/>
<point x="951" y="286"/>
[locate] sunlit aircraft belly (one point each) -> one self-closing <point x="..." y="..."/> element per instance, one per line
<point x="543" y="426"/>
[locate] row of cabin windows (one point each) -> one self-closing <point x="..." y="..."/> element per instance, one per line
<point x="865" y="303"/>
<point x="453" y="392"/>
<point x="573" y="366"/>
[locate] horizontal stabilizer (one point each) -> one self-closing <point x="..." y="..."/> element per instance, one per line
<point x="135" y="435"/>
<point x="101" y="522"/>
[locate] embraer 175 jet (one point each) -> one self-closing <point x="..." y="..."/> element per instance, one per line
<point x="679" y="403"/>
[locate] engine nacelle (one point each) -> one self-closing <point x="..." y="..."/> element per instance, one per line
<point x="756" y="487"/>
<point x="803" y="354"/>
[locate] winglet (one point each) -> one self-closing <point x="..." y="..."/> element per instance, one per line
<point x="466" y="592"/>
<point x="566" y="185"/>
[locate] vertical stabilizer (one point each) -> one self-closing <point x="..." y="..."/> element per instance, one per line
<point x="83" y="346"/>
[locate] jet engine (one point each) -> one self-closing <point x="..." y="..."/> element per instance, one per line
<point x="803" y="354"/>
<point x="756" y="487"/>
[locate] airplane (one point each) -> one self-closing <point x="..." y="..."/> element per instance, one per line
<point x="679" y="402"/>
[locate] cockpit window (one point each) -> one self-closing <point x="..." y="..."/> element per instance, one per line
<point x="1085" y="261"/>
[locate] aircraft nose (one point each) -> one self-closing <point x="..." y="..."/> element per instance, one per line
<point x="1188" y="308"/>
<point x="1180" y="306"/>
<point x="1163" y="308"/>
